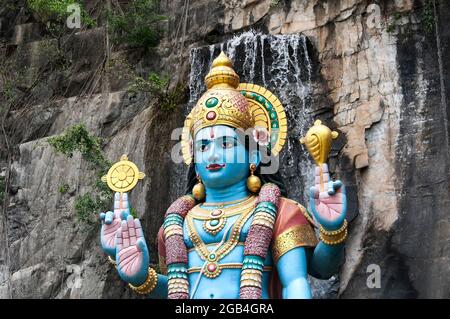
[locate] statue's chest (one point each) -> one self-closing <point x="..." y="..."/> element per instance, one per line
<point x="194" y="229"/>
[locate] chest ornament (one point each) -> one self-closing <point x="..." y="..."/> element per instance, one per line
<point x="212" y="268"/>
<point x="214" y="220"/>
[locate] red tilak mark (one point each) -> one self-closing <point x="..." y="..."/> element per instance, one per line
<point x="211" y="132"/>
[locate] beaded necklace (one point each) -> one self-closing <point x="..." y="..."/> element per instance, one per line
<point x="214" y="220"/>
<point x="213" y="268"/>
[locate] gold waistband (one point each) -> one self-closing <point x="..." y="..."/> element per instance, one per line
<point x="226" y="266"/>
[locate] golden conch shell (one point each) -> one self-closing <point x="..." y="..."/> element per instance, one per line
<point x="123" y="175"/>
<point x="318" y="141"/>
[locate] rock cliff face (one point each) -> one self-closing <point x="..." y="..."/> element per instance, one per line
<point x="377" y="71"/>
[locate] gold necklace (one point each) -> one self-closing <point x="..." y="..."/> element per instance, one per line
<point x="213" y="268"/>
<point x="215" y="219"/>
<point x="222" y="204"/>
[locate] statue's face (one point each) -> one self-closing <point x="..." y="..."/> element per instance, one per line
<point x="221" y="159"/>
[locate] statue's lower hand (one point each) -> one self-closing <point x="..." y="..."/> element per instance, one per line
<point x="328" y="201"/>
<point x="111" y="223"/>
<point x="132" y="255"/>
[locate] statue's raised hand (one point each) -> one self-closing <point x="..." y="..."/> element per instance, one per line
<point x="132" y="255"/>
<point x="111" y="223"/>
<point x="328" y="201"/>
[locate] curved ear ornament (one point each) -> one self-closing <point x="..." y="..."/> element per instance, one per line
<point x="318" y="141"/>
<point x="268" y="113"/>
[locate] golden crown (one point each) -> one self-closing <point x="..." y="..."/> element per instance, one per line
<point x="243" y="106"/>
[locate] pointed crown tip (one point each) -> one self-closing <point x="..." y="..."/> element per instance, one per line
<point x="222" y="60"/>
<point x="222" y="72"/>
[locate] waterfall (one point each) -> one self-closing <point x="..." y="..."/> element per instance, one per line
<point x="281" y="64"/>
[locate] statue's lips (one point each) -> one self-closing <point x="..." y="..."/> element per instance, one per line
<point x="214" y="167"/>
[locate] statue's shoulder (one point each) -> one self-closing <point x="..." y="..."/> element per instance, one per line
<point x="293" y="228"/>
<point x="288" y="206"/>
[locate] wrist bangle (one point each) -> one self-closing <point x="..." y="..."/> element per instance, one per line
<point x="333" y="239"/>
<point x="334" y="232"/>
<point x="149" y="285"/>
<point x="112" y="261"/>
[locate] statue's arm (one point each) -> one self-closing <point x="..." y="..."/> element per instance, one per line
<point x="160" y="291"/>
<point x="325" y="260"/>
<point x="122" y="239"/>
<point x="292" y="270"/>
<point x="328" y="203"/>
<point x="132" y="261"/>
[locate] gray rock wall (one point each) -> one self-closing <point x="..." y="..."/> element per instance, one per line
<point x="380" y="76"/>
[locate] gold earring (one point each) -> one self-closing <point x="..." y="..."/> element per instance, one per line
<point x="199" y="190"/>
<point x="253" y="181"/>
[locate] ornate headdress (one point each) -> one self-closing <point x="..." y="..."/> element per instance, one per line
<point x="238" y="105"/>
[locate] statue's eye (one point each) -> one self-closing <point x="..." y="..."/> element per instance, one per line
<point x="202" y="147"/>
<point x="227" y="144"/>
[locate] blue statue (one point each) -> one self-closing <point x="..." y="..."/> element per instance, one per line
<point x="234" y="234"/>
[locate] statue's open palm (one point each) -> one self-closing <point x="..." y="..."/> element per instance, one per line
<point x="132" y="255"/>
<point x="111" y="222"/>
<point x="328" y="201"/>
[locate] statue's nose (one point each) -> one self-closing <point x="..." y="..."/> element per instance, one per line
<point x="213" y="156"/>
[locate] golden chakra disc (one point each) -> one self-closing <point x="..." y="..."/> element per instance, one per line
<point x="123" y="175"/>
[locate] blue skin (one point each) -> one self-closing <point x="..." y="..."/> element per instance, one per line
<point x="227" y="184"/>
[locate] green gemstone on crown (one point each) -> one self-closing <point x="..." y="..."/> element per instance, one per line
<point x="211" y="102"/>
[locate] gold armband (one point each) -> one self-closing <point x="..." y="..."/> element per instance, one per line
<point x="334" y="237"/>
<point x="149" y="284"/>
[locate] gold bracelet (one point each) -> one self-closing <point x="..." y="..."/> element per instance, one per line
<point x="112" y="261"/>
<point x="334" y="239"/>
<point x="149" y="284"/>
<point x="334" y="232"/>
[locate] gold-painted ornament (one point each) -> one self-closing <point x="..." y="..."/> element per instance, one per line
<point x="253" y="181"/>
<point x="214" y="225"/>
<point x="213" y="268"/>
<point x="149" y="285"/>
<point x="123" y="175"/>
<point x="318" y="141"/>
<point x="198" y="191"/>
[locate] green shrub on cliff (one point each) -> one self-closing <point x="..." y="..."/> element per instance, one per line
<point x="54" y="13"/>
<point x="78" y="139"/>
<point x="140" y="24"/>
<point x="159" y="86"/>
<point x="428" y="16"/>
